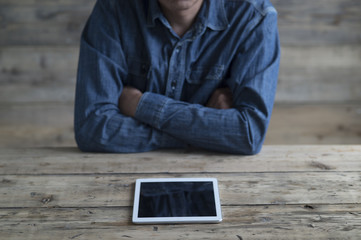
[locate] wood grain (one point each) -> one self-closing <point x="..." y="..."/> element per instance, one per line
<point x="51" y="124"/>
<point x="60" y="23"/>
<point x="324" y="22"/>
<point x="43" y="22"/>
<point x="253" y="222"/>
<point x="235" y="189"/>
<point x="307" y="74"/>
<point x="315" y="124"/>
<point x="54" y="161"/>
<point x="320" y="74"/>
<point x="286" y="192"/>
<point x="37" y="74"/>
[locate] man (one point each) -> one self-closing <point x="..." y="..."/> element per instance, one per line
<point x="173" y="73"/>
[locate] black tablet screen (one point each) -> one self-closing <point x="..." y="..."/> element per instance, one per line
<point x="176" y="199"/>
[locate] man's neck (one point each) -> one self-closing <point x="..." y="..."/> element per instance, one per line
<point x="182" y="20"/>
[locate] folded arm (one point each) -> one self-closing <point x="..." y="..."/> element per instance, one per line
<point x="161" y="122"/>
<point x="99" y="125"/>
<point x="240" y="129"/>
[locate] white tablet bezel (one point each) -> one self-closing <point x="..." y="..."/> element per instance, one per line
<point x="166" y="220"/>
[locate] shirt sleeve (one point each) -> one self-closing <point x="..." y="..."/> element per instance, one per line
<point x="253" y="81"/>
<point x="98" y="124"/>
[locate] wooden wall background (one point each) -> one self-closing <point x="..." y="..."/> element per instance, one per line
<point x="319" y="93"/>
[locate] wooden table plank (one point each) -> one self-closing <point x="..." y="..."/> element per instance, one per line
<point x="235" y="189"/>
<point x="286" y="192"/>
<point x="40" y="161"/>
<point x="241" y="222"/>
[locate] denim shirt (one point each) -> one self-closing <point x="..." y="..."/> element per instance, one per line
<point x="231" y="44"/>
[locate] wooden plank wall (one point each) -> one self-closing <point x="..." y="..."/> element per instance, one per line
<point x="318" y="98"/>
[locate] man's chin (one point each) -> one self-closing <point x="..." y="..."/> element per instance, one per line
<point x="181" y="5"/>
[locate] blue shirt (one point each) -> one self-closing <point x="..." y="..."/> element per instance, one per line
<point x="232" y="43"/>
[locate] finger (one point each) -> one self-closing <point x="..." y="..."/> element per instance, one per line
<point x="212" y="102"/>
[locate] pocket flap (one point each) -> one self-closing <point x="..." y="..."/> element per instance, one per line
<point x="200" y="74"/>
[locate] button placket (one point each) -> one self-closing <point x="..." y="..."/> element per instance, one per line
<point x="176" y="72"/>
<point x="178" y="49"/>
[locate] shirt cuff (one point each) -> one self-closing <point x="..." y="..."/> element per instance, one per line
<point x="150" y="109"/>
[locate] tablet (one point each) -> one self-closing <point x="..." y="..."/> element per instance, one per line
<point x="176" y="200"/>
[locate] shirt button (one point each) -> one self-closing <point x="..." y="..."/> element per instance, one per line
<point x="178" y="49"/>
<point x="173" y="85"/>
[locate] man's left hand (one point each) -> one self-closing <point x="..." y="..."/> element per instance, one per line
<point x="221" y="99"/>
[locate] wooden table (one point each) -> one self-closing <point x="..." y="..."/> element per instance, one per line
<point x="285" y="192"/>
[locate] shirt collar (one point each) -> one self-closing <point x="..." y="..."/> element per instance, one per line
<point x="213" y="16"/>
<point x="217" y="18"/>
<point x="154" y="12"/>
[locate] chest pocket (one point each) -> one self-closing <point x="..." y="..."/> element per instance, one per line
<point x="138" y="74"/>
<point x="201" y="75"/>
<point x="201" y="83"/>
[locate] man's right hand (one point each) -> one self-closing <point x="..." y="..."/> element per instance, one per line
<point x="221" y="99"/>
<point x="128" y="101"/>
